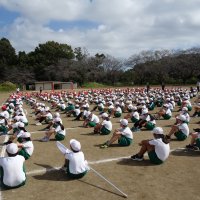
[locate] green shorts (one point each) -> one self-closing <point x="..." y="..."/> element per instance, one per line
<point x="198" y="142"/>
<point x="189" y="108"/>
<point x="166" y="116"/>
<point x="75" y="176"/>
<point x="104" y="131"/>
<point x="3" y="129"/>
<point x="59" y="137"/>
<point x="179" y="103"/>
<point x="92" y="124"/>
<point x="23" y="153"/>
<point x="152" y="106"/>
<point x="149" y="126"/>
<point x="109" y="111"/>
<point x="180" y="136"/>
<point x="133" y="119"/>
<point x="154" y="158"/>
<point x="25" y="123"/>
<point x="124" y="141"/>
<point x="117" y="114"/>
<point x="100" y="109"/>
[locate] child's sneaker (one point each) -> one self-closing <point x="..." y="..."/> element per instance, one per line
<point x="105" y="145"/>
<point x="137" y="157"/>
<point x="189" y="146"/>
<point x="135" y="129"/>
<point x="44" y="139"/>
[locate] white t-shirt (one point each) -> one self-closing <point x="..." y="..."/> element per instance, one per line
<point x="13" y="170"/>
<point x="23" y="119"/>
<point x="184" y="128"/>
<point x="28" y="146"/>
<point x="94" y="118"/>
<point x="162" y="150"/>
<point x="118" y="109"/>
<point x="136" y="115"/>
<point x="49" y="116"/>
<point x="77" y="163"/>
<point x="107" y="124"/>
<point x="126" y="132"/>
<point x="59" y="130"/>
<point x="168" y="112"/>
<point x="77" y="111"/>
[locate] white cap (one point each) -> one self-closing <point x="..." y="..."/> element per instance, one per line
<point x="24" y="134"/>
<point x="181" y="117"/>
<point x="185" y="109"/>
<point x="16" y="118"/>
<point x="134" y="108"/>
<point x="88" y="113"/>
<point x="158" y="130"/>
<point x="124" y="122"/>
<point x="47" y="109"/>
<point x="57" y="119"/>
<point x="104" y="115"/>
<point x="21" y="125"/>
<point x="75" y="145"/>
<point x="12" y="148"/>
<point x="57" y="114"/>
<point x="144" y="111"/>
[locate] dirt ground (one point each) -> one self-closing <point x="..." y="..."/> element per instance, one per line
<point x="178" y="178"/>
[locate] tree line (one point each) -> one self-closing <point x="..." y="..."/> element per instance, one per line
<point x="52" y="61"/>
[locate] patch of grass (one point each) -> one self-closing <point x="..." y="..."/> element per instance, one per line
<point x="94" y="85"/>
<point x="7" y="87"/>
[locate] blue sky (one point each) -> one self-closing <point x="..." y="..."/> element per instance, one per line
<point x="115" y="27"/>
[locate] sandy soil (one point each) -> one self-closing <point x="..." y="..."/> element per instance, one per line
<point x="177" y="178"/>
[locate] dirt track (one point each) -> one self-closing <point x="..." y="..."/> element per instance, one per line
<point x="178" y="178"/>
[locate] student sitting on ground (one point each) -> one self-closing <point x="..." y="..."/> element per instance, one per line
<point x="134" y="115"/>
<point x="123" y="134"/>
<point x="91" y="121"/>
<point x="3" y="124"/>
<point x="105" y="127"/>
<point x="184" y="112"/>
<point x="25" y="145"/>
<point x="158" y="148"/>
<point x="195" y="140"/>
<point x="12" y="168"/>
<point x="74" y="112"/>
<point x="117" y="111"/>
<point x="75" y="163"/>
<point x="164" y="112"/>
<point x="58" y="129"/>
<point x="180" y="130"/>
<point x="146" y="120"/>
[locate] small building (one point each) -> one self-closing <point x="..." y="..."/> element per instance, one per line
<point x="54" y="85"/>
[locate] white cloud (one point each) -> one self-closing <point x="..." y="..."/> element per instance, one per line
<point x="123" y="27"/>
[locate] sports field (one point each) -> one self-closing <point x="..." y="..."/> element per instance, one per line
<point x="178" y="178"/>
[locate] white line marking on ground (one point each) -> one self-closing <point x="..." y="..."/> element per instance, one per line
<point x="40" y="171"/>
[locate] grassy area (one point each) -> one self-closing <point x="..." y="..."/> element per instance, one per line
<point x="94" y="85"/>
<point x="7" y="87"/>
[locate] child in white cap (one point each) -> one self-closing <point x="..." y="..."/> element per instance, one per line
<point x="123" y="134"/>
<point x="59" y="131"/>
<point x="25" y="144"/>
<point x="180" y="130"/>
<point x="12" y="168"/>
<point x="158" y="148"/>
<point x="105" y="127"/>
<point x="75" y="162"/>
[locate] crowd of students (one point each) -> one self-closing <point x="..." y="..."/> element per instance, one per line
<point x="96" y="109"/>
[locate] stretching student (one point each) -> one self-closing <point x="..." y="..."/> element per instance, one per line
<point x="158" y="148"/>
